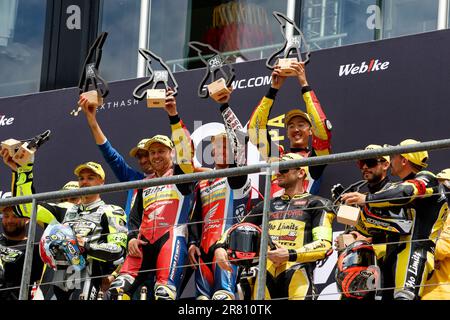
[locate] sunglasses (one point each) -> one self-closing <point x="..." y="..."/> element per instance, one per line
<point x="370" y="163"/>
<point x="284" y="171"/>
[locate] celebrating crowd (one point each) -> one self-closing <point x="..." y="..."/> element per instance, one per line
<point x="399" y="248"/>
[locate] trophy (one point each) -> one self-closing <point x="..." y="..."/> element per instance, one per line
<point x="22" y="151"/>
<point x="347" y="214"/>
<point x="90" y="75"/>
<point x="156" y="98"/>
<point x="344" y="240"/>
<point x="291" y="43"/>
<point x="218" y="88"/>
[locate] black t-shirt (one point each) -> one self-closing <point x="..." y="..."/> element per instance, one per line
<point x="13" y="270"/>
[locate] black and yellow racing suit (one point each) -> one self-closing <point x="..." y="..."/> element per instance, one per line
<point x="383" y="225"/>
<point x="303" y="224"/>
<point x="12" y="257"/>
<point x="103" y="225"/>
<point x="420" y="199"/>
<point x="321" y="136"/>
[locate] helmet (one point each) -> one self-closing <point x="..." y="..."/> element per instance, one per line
<point x="356" y="271"/>
<point x="59" y="249"/>
<point x="243" y="242"/>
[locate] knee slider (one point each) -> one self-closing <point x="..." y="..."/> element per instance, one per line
<point x="404" y="295"/>
<point x="122" y="283"/>
<point x="165" y="292"/>
<point x="222" y="295"/>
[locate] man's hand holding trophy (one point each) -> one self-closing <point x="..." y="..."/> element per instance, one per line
<point x="287" y="66"/>
<point x="91" y="77"/>
<point x="220" y="89"/>
<point x="21" y="152"/>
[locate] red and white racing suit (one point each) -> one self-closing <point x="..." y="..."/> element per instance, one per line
<point x="161" y="212"/>
<point x="221" y="203"/>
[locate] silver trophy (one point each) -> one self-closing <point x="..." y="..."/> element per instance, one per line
<point x="217" y="89"/>
<point x="91" y="77"/>
<point x="156" y="98"/>
<point x="291" y="43"/>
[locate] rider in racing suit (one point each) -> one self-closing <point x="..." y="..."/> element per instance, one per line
<point x="422" y="198"/>
<point x="162" y="213"/>
<point x="222" y="202"/>
<point x="101" y="229"/>
<point x="299" y="127"/>
<point x="12" y="255"/>
<point x="377" y="225"/>
<point x="300" y="225"/>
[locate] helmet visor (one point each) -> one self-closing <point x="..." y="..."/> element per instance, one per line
<point x="244" y="241"/>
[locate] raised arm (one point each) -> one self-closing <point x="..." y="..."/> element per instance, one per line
<point x="22" y="185"/>
<point x="257" y="125"/>
<point x="321" y="126"/>
<point x="122" y="170"/>
<point x="180" y="137"/>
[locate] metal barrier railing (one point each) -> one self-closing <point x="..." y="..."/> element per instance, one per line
<point x="239" y="171"/>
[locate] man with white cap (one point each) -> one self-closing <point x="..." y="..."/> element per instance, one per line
<point x="300" y="126"/>
<point x="421" y="196"/>
<point x="221" y="202"/>
<point x="100" y="228"/>
<point x="122" y="170"/>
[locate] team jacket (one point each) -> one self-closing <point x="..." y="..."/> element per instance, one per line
<point x="321" y="135"/>
<point x="158" y="209"/>
<point x="222" y="202"/>
<point x="423" y="200"/>
<point x="302" y="223"/>
<point x="102" y="224"/>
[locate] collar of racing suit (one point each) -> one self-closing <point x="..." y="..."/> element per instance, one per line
<point x="410" y="176"/>
<point x="296" y="150"/>
<point x="91" y="206"/>
<point x="295" y="196"/>
<point x="375" y="187"/>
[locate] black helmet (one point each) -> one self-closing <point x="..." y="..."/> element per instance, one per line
<point x="243" y="244"/>
<point x="356" y="272"/>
